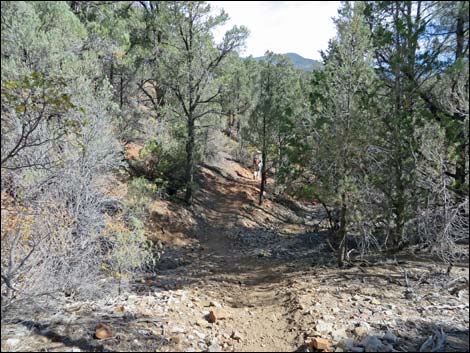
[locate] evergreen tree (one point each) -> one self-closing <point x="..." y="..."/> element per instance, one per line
<point x="188" y="63"/>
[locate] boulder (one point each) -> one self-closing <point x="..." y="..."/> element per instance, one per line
<point x="320" y="344"/>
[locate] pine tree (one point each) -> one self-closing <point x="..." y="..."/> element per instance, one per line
<point x="188" y="64"/>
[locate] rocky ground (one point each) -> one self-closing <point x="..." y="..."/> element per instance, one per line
<point x="235" y="276"/>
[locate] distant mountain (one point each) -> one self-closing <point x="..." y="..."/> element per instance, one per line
<point x="300" y="62"/>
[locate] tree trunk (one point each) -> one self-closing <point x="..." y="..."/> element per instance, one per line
<point x="190" y="162"/>
<point x="399" y="208"/>
<point x="262" y="188"/>
<point x="342" y="232"/>
<point x="121" y="91"/>
<point x="460" y="171"/>
<point x="263" y="166"/>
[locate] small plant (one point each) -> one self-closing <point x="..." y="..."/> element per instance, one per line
<point x="130" y="249"/>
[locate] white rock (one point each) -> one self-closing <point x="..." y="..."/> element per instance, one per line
<point x="199" y="334"/>
<point x="364" y="324"/>
<point x="177" y="329"/>
<point x="324" y="327"/>
<point x="12" y="342"/>
<point x="339" y="334"/>
<point x="360" y="331"/>
<point x="328" y="317"/>
<point x="214" y="347"/>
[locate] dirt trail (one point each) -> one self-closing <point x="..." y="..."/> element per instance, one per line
<point x="250" y="285"/>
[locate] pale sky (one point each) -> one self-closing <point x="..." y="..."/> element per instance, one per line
<point x="302" y="27"/>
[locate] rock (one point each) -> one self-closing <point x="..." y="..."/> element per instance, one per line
<point x="132" y="298"/>
<point x="346" y="344"/>
<point x="202" y="323"/>
<point x="375" y="301"/>
<point x="44" y="339"/>
<point x="200" y="335"/>
<point x="12" y="342"/>
<point x="372" y="344"/>
<point x="211" y="317"/>
<point x="328" y="317"/>
<point x="356" y="298"/>
<point x="311" y="333"/>
<point x="217" y="314"/>
<point x="214" y="347"/>
<point x="102" y="331"/>
<point x="324" y="327"/>
<point x="390" y="337"/>
<point x="119" y="309"/>
<point x="390" y="306"/>
<point x="386" y="348"/>
<point x="215" y="304"/>
<point x="308" y="312"/>
<point x="357" y="349"/>
<point x="320" y="344"/>
<point x="177" y="329"/>
<point x="236" y="336"/>
<point x="360" y="331"/>
<point x="364" y="324"/>
<point x="339" y="334"/>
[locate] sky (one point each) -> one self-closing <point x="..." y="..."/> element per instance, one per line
<point x="302" y="27"/>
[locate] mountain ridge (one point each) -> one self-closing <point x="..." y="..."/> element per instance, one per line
<point x="299" y="62"/>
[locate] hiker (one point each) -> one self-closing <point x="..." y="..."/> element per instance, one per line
<point x="257" y="164"/>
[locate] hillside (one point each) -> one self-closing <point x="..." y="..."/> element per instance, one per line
<point x="299" y="62"/>
<point x="234" y="276"/>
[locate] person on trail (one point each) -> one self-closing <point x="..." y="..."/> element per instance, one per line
<point x="257" y="164"/>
